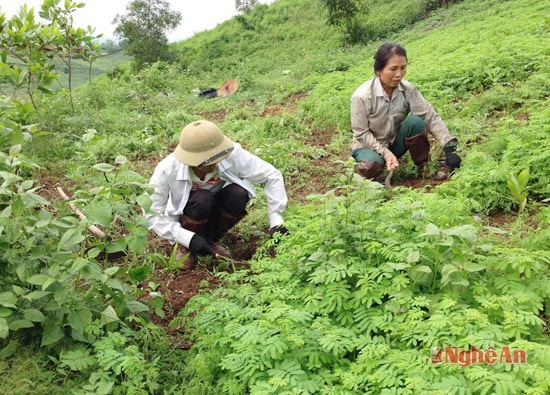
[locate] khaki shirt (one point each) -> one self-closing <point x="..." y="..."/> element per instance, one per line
<point x="375" y="119"/>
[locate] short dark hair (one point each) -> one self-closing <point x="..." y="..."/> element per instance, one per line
<point x="385" y="52"/>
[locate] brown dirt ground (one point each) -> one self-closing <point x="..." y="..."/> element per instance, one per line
<point x="178" y="286"/>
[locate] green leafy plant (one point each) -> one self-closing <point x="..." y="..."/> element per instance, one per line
<point x="518" y="188"/>
<point x="359" y="292"/>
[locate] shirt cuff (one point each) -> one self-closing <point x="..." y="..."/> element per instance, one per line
<point x="184" y="237"/>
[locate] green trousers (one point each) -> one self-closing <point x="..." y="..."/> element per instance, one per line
<point x="411" y="126"/>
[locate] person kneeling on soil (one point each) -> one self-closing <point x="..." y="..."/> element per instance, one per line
<point x="202" y="188"/>
<point x="389" y="116"/>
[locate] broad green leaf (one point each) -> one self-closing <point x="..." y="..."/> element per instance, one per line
<point x="4" y="329"/>
<point x="48" y="282"/>
<point x="33" y="315"/>
<point x="103" y="167"/>
<point x="52" y="334"/>
<point x="121" y="160"/>
<point x="100" y="212"/>
<point x="10" y="349"/>
<point x="136" y="307"/>
<point x="111" y="271"/>
<point x="145" y="202"/>
<point x="19" y="291"/>
<point x="4" y="312"/>
<point x="399" y="265"/>
<point x="34" y="295"/>
<point x="472" y="267"/>
<point x="140" y="273"/>
<point x="78" y="264"/>
<point x="422" y="269"/>
<point x="421" y="274"/>
<point x="116" y="283"/>
<point x="17" y="207"/>
<point x="20" y="324"/>
<point x="446" y="271"/>
<point x="8" y="299"/>
<point x="413" y="256"/>
<point x="80" y="320"/>
<point x="108" y="315"/>
<point x="431" y="230"/>
<point x="70" y="239"/>
<point x="137" y="241"/>
<point x="467" y="232"/>
<point x="38" y="279"/>
<point x="513" y="184"/>
<point x="92" y="271"/>
<point x="523" y="179"/>
<point x="9" y="178"/>
<point x="116" y="246"/>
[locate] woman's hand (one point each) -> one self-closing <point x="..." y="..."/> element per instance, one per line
<point x="391" y="161"/>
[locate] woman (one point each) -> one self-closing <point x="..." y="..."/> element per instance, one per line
<point x="389" y="116"/>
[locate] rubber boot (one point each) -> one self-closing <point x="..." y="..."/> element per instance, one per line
<point x="221" y="224"/>
<point x="419" y="148"/>
<point x="369" y="169"/>
<point x="192" y="225"/>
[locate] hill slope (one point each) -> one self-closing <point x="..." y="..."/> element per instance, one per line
<point x="367" y="281"/>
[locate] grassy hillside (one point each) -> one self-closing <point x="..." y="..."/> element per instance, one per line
<point x="368" y="282"/>
<point x="103" y="65"/>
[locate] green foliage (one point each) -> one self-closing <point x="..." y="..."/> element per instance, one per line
<point x="143" y="29"/>
<point x="358" y="294"/>
<point x="15" y="128"/>
<point x="45" y="257"/>
<point x="483" y="177"/>
<point x="245" y="5"/>
<point x="366" y="282"/>
<point x="367" y="21"/>
<point x="517" y="186"/>
<point x="23" y="38"/>
<point x="36" y="46"/>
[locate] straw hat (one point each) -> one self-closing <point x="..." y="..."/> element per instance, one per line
<point x="202" y="143"/>
<point x="228" y="88"/>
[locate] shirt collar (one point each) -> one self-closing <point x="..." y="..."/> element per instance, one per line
<point x="378" y="89"/>
<point x="183" y="172"/>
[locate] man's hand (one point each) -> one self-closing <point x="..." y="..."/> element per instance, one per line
<point x="451" y="158"/>
<point x="200" y="246"/>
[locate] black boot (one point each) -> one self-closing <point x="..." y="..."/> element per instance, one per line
<point x="218" y="226"/>
<point x="192" y="225"/>
<point x="369" y="169"/>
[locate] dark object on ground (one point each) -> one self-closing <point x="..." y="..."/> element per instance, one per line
<point x="209" y="93"/>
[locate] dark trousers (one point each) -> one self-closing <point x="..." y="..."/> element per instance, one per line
<point x="411" y="126"/>
<point x="203" y="205"/>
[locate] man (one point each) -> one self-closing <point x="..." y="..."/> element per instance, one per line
<point x="202" y="188"/>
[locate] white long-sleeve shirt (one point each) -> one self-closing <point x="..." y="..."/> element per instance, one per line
<point x="172" y="185"/>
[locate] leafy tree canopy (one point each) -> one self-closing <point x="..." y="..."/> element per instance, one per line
<point x="245" y="5"/>
<point x="143" y="30"/>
